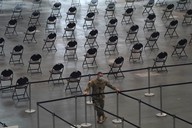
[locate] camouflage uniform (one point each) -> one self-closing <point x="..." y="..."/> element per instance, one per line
<point x="98" y="86"/>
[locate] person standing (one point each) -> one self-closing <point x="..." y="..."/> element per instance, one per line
<point x="97" y="86"/>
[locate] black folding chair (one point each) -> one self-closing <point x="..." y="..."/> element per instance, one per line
<point x="73" y="82"/>
<point x="17" y="55"/>
<point x="20" y="92"/>
<point x="152" y="40"/>
<point x="110" y="10"/>
<point x="34" y="18"/>
<point x="187" y="17"/>
<point x="181" y="5"/>
<point x="70" y="50"/>
<point x="51" y="24"/>
<point x="168" y="12"/>
<point x="89" y="20"/>
<point x="129" y="4"/>
<point x="132" y="34"/>
<point x="150" y="22"/>
<point x="115" y="67"/>
<point x="2" y="43"/>
<point x="93" y="6"/>
<point x="6" y="80"/>
<point x="127" y="16"/>
<point x="56" y="9"/>
<point x="159" y="62"/>
<point x="111" y="45"/>
<point x="171" y="29"/>
<point x="111" y="27"/>
<point x="56" y="74"/>
<point x="91" y="39"/>
<point x="36" y="4"/>
<point x="179" y="49"/>
<point x="148" y="8"/>
<point x="71" y="15"/>
<point x="17" y="12"/>
<point x="136" y="53"/>
<point x="161" y="2"/>
<point x="49" y="42"/>
<point x="69" y="31"/>
<point x="11" y="27"/>
<point x="30" y="35"/>
<point x="90" y="58"/>
<point x="35" y="64"/>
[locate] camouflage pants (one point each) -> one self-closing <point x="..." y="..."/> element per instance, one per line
<point x="99" y="103"/>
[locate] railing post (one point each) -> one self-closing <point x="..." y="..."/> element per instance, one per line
<point x="123" y="123"/>
<point x="90" y="102"/>
<point x="161" y="114"/>
<point x="38" y="123"/>
<point x="86" y="125"/>
<point x="149" y="84"/>
<point x="117" y="120"/>
<point x="29" y="110"/>
<point x="139" y="113"/>
<point x="53" y="117"/>
<point x="173" y="121"/>
<point x="95" y="116"/>
<point x="78" y="126"/>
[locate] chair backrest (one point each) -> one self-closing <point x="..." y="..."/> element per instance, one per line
<point x="13" y="22"/>
<point x="113" y="21"/>
<point x="90" y="15"/>
<point x="170" y="7"/>
<point x="36" y="57"/>
<point x="129" y="10"/>
<point x="150" y="2"/>
<point x="57" y="5"/>
<point x="111" y="5"/>
<point x="52" y="18"/>
<point x="72" y="9"/>
<point x="189" y="12"/>
<point x="151" y="16"/>
<point x="119" y="61"/>
<point x="22" y="81"/>
<point x="182" y="42"/>
<point x="52" y="36"/>
<point x="71" y="25"/>
<point x="2" y="40"/>
<point x="174" y="23"/>
<point x="94" y="1"/>
<point x="137" y="46"/>
<point x="75" y="74"/>
<point x="31" y="28"/>
<point x="7" y="73"/>
<point x="36" y="13"/>
<point x="92" y="51"/>
<point x="134" y="28"/>
<point x="58" y="67"/>
<point x="113" y="38"/>
<point x="72" y="43"/>
<point x="162" y="55"/>
<point x="93" y="32"/>
<point x="18" y="48"/>
<point x="155" y="35"/>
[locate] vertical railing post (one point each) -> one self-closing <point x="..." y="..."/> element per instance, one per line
<point x="149" y="84"/>
<point x="161" y="114"/>
<point x="78" y="126"/>
<point x="139" y="113"/>
<point x="29" y="110"/>
<point x="53" y="117"/>
<point x="38" y="123"/>
<point x="86" y="124"/>
<point x="173" y="121"/>
<point x="95" y="116"/>
<point x="89" y="102"/>
<point x="117" y="120"/>
<point x="123" y="123"/>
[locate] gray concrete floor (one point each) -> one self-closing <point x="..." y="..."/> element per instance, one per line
<point x="175" y="99"/>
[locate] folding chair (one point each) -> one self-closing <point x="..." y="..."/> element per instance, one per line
<point x="16" y="14"/>
<point x="71" y="15"/>
<point x="110" y="10"/>
<point x="115" y="67"/>
<point x="2" y="43"/>
<point x="159" y="62"/>
<point x="148" y="8"/>
<point x="109" y="1"/>
<point x="129" y="4"/>
<point x="75" y="3"/>
<point x="56" y="73"/>
<point x="111" y="27"/>
<point x="127" y="16"/>
<point x="181" y="5"/>
<point x="70" y="50"/>
<point x="161" y="3"/>
<point x="11" y="27"/>
<point x="49" y="42"/>
<point x="91" y="39"/>
<point x="171" y="29"/>
<point x="111" y="45"/>
<point x="30" y="35"/>
<point x="51" y="24"/>
<point x="150" y="22"/>
<point x="6" y="80"/>
<point x="36" y="4"/>
<point x="35" y="64"/>
<point x="90" y="58"/>
<point x="136" y="53"/>
<point x="93" y="6"/>
<point x="132" y="34"/>
<point x="89" y="20"/>
<point x="152" y="40"/>
<point x="34" y="18"/>
<point x="20" y="92"/>
<point x="73" y="82"/>
<point x="56" y="9"/>
<point x="187" y="17"/>
<point x="179" y="49"/>
<point x="16" y="55"/>
<point x="69" y="30"/>
<point x="168" y="12"/>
